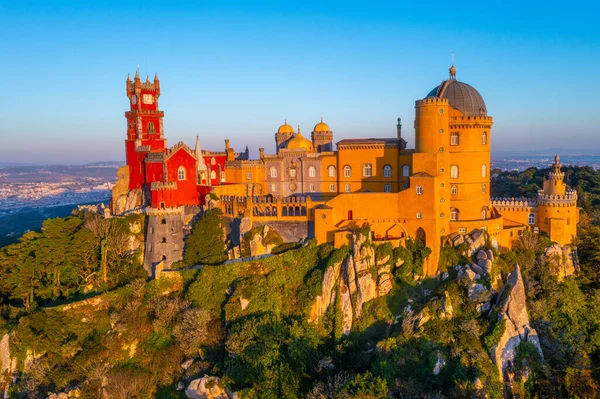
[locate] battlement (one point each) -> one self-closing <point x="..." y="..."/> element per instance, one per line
<point x="142" y="148"/>
<point x="179" y="210"/>
<point x="159" y="185"/>
<point x="569" y="199"/>
<point x="459" y="119"/>
<point x="244" y="163"/>
<point x="505" y="202"/>
<point x="431" y="101"/>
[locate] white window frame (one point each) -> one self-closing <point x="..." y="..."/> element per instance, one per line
<point x="454" y="214"/>
<point x="181" y="175"/>
<point x="484" y="188"/>
<point x="292" y="172"/>
<point x="248" y="175"/>
<point x="484" y="170"/>
<point x="273" y="171"/>
<point x="331" y="171"/>
<point x="312" y="171"/>
<point x="419" y="190"/>
<point x="454" y="138"/>
<point x="213" y="174"/>
<point x="347" y="171"/>
<point x="387" y="171"/>
<point x="405" y="170"/>
<point x="454" y="190"/>
<point x="332" y="187"/>
<point x="419" y="215"/>
<point x="454" y="172"/>
<point x="367" y="170"/>
<point x="484" y="139"/>
<point x="387" y="188"/>
<point x="347" y="188"/>
<point x="531" y="218"/>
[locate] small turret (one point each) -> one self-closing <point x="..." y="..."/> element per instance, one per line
<point x="399" y="129"/>
<point x="156" y="85"/>
<point x="555" y="184"/>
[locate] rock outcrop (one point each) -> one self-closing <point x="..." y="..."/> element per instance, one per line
<point x="207" y="387"/>
<point x="512" y="308"/>
<point x="560" y="260"/>
<point x="355" y="281"/>
<point x="261" y="242"/>
<point x="124" y="200"/>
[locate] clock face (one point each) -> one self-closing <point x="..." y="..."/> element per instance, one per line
<point x="134" y="99"/>
<point x="148" y="98"/>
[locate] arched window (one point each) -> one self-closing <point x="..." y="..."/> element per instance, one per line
<point x="387" y="171"/>
<point x="419" y="190"/>
<point x="484" y="213"/>
<point x="405" y="170"/>
<point x="347" y="171"/>
<point x="151" y="127"/>
<point x="181" y="173"/>
<point x="312" y="172"/>
<point x="483" y="188"/>
<point x="419" y="215"/>
<point x="454" y="214"/>
<point x="367" y="170"/>
<point x="213" y="161"/>
<point x="213" y="174"/>
<point x="347" y="188"/>
<point x="222" y="176"/>
<point x="484" y="138"/>
<point x="273" y="171"/>
<point x="454" y="190"/>
<point x="454" y="138"/>
<point x="332" y="188"/>
<point x="331" y="171"/>
<point x="531" y="218"/>
<point x="454" y="172"/>
<point x="483" y="170"/>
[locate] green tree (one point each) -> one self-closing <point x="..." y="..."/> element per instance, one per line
<point x="205" y="243"/>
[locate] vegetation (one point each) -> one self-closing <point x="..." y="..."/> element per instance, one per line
<point x="205" y="243"/>
<point x="248" y="322"/>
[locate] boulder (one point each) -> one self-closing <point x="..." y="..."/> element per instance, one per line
<point x="486" y="265"/>
<point x="257" y="243"/>
<point x="513" y="309"/>
<point x="477" y="269"/>
<point x="384" y="284"/>
<point x="366" y="290"/>
<point x="481" y="255"/>
<point x="206" y="387"/>
<point x="490" y="255"/>
<point x="468" y="275"/>
<point x="439" y="363"/>
<point x="476" y="241"/>
<point x="447" y="309"/>
<point x="478" y="293"/>
<point x="186" y="364"/>
<point x="483" y="307"/>
<point x="180" y="386"/>
<point x="244" y="303"/>
<point x="560" y="261"/>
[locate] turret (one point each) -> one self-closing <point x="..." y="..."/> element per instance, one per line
<point x="399" y="129"/>
<point x="555" y="184"/>
<point x="156" y="85"/>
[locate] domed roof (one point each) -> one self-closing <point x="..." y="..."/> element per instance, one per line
<point x="460" y="95"/>
<point x="321" y="127"/>
<point x="299" y="142"/>
<point x="285" y="128"/>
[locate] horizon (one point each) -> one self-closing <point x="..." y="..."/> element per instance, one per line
<point x="235" y="71"/>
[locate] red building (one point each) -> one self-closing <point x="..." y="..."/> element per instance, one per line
<point x="168" y="177"/>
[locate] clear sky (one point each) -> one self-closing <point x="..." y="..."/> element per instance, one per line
<point x="238" y="69"/>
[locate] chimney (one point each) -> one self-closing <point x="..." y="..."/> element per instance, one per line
<point x="261" y="153"/>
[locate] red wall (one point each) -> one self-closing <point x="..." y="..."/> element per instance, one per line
<point x="219" y="160"/>
<point x="186" y="189"/>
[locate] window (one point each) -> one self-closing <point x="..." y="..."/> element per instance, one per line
<point x="312" y="172"/>
<point x="332" y="188"/>
<point x="531" y="218"/>
<point x="453" y="214"/>
<point x="454" y="138"/>
<point x="151" y="127"/>
<point x="419" y="190"/>
<point x="454" y="172"/>
<point x="331" y="171"/>
<point x="292" y="172"/>
<point x="163" y="221"/>
<point x="405" y="170"/>
<point x="347" y="171"/>
<point x="222" y="176"/>
<point x="213" y="161"/>
<point x="213" y="174"/>
<point x="164" y="240"/>
<point x="404" y="186"/>
<point x="273" y="187"/>
<point x="483" y="213"/>
<point x="387" y="171"/>
<point x="347" y="188"/>
<point x="312" y="187"/>
<point x="273" y="171"/>
<point x="248" y="175"/>
<point x="462" y="230"/>
<point x="419" y="215"/>
<point x="483" y="170"/>
<point x="181" y="173"/>
<point x="367" y="170"/>
<point x="483" y="188"/>
<point x="387" y="188"/>
<point x="484" y="138"/>
<point x="454" y="190"/>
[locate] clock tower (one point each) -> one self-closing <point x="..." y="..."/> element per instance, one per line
<point x="144" y="127"/>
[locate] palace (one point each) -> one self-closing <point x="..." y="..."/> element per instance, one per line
<point x="436" y="192"/>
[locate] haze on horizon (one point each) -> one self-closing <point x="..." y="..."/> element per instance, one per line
<point x="238" y="70"/>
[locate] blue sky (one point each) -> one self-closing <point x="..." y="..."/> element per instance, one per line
<point x="238" y="69"/>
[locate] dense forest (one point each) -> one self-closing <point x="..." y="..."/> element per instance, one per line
<point x="81" y="314"/>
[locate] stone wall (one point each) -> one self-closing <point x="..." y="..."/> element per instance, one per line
<point x="164" y="239"/>
<point x="290" y="231"/>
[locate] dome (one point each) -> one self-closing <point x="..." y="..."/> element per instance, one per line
<point x="321" y="127"/>
<point x="299" y="142"/>
<point x="285" y="128"/>
<point x="461" y="96"/>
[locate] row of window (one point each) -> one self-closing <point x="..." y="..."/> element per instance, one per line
<point x="454" y="171"/>
<point x="455" y="138"/>
<point x="367" y="171"/>
<point x="181" y="175"/>
<point x="387" y="188"/>
<point x="453" y="190"/>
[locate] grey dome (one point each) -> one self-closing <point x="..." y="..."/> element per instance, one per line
<point x="461" y="96"/>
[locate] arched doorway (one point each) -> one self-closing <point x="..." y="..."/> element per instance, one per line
<point x="421" y="236"/>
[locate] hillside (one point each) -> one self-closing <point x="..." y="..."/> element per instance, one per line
<point x="311" y="322"/>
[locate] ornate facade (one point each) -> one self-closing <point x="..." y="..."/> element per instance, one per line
<point x="436" y="191"/>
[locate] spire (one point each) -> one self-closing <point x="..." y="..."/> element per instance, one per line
<point x="137" y="73"/>
<point x="556" y="159"/>
<point x="128" y="77"/>
<point x="147" y="79"/>
<point x="155" y="76"/>
<point x="198" y="152"/>
<point x="298" y="129"/>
